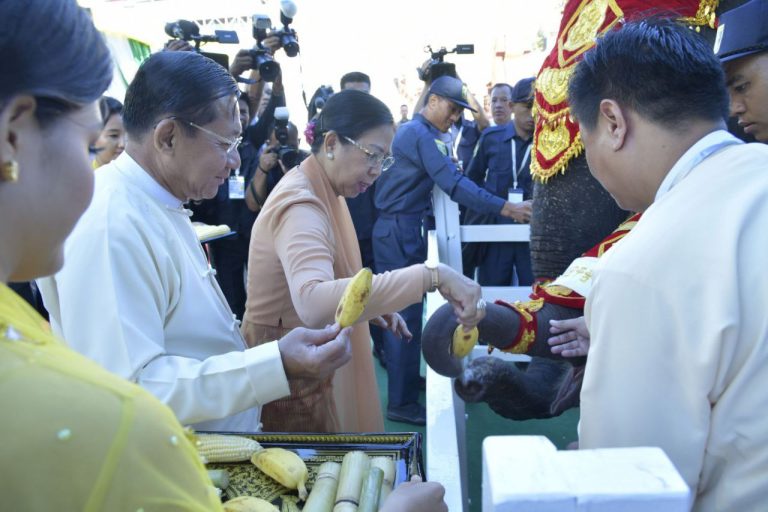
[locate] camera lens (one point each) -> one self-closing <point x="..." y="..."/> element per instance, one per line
<point x="268" y="69"/>
<point x="289" y="156"/>
<point x="290" y="45"/>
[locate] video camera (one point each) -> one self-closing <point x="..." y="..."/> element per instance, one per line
<point x="289" y="155"/>
<point x="262" y="29"/>
<point x="438" y="67"/>
<point x="189" y="31"/>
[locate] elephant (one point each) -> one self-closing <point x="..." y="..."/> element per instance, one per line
<point x="571" y="213"/>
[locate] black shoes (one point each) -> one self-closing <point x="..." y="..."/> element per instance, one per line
<point x="414" y="414"/>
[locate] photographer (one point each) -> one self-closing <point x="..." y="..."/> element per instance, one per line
<point x="280" y="156"/>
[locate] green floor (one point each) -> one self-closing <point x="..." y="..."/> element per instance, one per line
<point x="483" y="422"/>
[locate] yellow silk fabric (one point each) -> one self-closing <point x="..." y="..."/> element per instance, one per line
<point x="76" y="437"/>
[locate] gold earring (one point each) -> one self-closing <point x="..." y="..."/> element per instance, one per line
<point x="9" y="171"/>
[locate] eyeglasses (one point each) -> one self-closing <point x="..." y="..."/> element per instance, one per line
<point x="374" y="159"/>
<point x="231" y="144"/>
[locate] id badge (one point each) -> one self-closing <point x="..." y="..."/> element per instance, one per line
<point x="515" y="195"/>
<point x="237" y="187"/>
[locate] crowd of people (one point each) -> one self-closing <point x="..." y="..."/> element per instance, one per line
<point x="161" y="334"/>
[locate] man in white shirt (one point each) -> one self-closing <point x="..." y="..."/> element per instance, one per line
<point x="137" y="294"/>
<point x="679" y="353"/>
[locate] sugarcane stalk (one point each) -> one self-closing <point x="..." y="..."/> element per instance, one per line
<point x="354" y="467"/>
<point x="323" y="494"/>
<point x="369" y="494"/>
<point x="387" y="465"/>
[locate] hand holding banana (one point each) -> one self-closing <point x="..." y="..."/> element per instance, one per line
<point x="463" y="294"/>
<point x="315" y="353"/>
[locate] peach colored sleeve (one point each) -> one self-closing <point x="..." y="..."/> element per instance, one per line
<point x="304" y="244"/>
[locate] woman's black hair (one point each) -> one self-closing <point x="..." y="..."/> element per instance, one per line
<point x="51" y="50"/>
<point x="350" y="113"/>
<point x="109" y="106"/>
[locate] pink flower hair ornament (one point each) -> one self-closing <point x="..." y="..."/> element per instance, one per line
<point x="309" y="132"/>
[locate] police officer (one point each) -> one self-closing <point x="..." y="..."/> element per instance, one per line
<point x="742" y="46"/>
<point x="403" y="195"/>
<point x="363" y="213"/>
<point x="502" y="166"/>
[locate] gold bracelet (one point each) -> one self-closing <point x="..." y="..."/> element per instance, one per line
<point x="434" y="276"/>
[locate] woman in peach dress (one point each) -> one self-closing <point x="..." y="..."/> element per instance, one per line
<point x="303" y="252"/>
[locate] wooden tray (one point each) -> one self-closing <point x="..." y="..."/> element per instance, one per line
<point x="247" y="480"/>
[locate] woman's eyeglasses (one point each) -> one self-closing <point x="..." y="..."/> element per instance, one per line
<point x="374" y="159"/>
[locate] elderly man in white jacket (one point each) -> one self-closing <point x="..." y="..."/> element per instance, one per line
<point x="677" y="311"/>
<point x="137" y="294"/>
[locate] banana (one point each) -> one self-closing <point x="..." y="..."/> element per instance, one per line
<point x="249" y="504"/>
<point x="285" y="467"/>
<point x="463" y="342"/>
<point x="355" y="298"/>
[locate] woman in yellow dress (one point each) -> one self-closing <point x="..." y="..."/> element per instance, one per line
<point x="75" y="437"/>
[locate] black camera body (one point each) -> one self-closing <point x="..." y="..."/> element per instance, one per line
<point x="438" y="67"/>
<point x="262" y="58"/>
<point x="290" y="156"/>
<point x="263" y="61"/>
<point x="190" y="31"/>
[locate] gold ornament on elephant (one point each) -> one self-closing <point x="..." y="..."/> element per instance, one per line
<point x="552" y="83"/>
<point x="585" y="29"/>
<point x="553" y="140"/>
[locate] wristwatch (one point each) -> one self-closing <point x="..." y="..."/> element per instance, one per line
<point x="434" y="274"/>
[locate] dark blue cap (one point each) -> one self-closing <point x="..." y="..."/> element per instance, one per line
<point x="451" y="89"/>
<point x="742" y="31"/>
<point x="522" y="92"/>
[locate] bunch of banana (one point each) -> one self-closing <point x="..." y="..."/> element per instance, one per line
<point x="463" y="342"/>
<point x="355" y="297"/>
<point x="285" y="467"/>
<point x="249" y="504"/>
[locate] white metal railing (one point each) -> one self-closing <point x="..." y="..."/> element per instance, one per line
<point x="632" y="479"/>
<point x="446" y="418"/>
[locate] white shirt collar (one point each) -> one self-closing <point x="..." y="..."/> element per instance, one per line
<point x="139" y="176"/>
<point x="704" y="147"/>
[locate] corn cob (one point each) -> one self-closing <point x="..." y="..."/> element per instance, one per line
<point x="221" y="448"/>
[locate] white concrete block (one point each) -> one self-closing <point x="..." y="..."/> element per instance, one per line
<point x="527" y="473"/>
